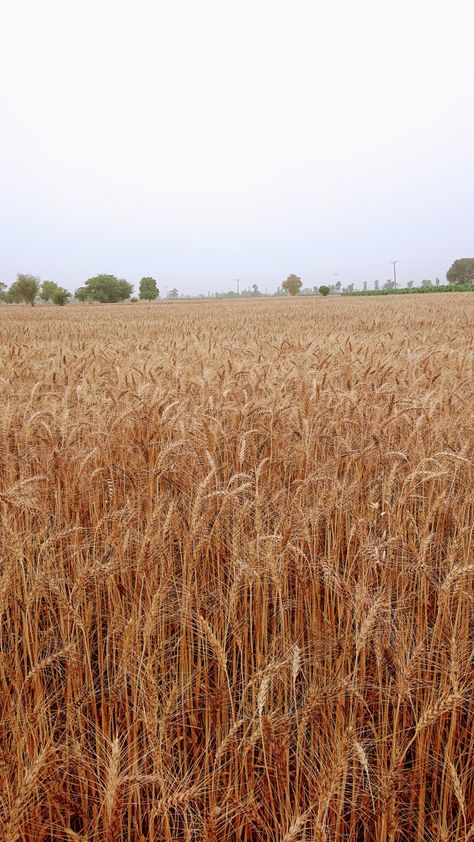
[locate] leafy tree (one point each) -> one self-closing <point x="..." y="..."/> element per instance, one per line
<point x="365" y="286"/>
<point x="426" y="283"/>
<point x="25" y="288"/>
<point x="324" y="290"/>
<point x="376" y="285"/>
<point x="389" y="284"/>
<point x="148" y="289"/>
<point x="3" y="293"/>
<point x="173" y="293"/>
<point x="437" y="282"/>
<point x="61" y="296"/>
<point x="255" y="290"/>
<point x="47" y="291"/>
<point x="50" y="291"/>
<point x="12" y="295"/>
<point x="410" y="284"/>
<point x="292" y="284"/>
<point x="124" y="289"/>
<point x="82" y="294"/>
<point x="105" y="288"/>
<point x="462" y="271"/>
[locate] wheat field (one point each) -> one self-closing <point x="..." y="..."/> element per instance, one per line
<point x="236" y="571"/>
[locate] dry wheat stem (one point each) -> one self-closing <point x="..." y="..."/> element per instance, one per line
<point x="236" y="570"/>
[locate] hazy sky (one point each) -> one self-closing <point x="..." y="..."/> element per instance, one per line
<point x="204" y="140"/>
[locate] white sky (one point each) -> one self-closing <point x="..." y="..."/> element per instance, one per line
<point x="203" y="140"/>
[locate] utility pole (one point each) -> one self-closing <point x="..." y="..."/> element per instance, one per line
<point x="394" y="264"/>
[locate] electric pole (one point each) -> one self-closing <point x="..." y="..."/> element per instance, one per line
<point x="394" y="264"/>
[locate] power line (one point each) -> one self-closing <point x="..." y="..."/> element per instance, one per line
<point x="354" y="270"/>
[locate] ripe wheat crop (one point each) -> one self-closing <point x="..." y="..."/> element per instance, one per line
<point x="236" y="571"/>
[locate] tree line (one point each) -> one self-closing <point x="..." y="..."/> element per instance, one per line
<point x="460" y="274"/>
<point x="27" y="289"/>
<point x="104" y="288"/>
<point x="109" y="289"/>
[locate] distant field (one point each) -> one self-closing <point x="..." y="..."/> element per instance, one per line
<point x="236" y="571"/>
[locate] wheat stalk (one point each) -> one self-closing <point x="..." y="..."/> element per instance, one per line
<point x="235" y="570"/>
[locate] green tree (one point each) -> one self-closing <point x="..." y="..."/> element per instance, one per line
<point x="426" y="283"/>
<point x="12" y="295"/>
<point x="124" y="289"/>
<point x="292" y="284"/>
<point x="376" y="285"/>
<point x="47" y="291"/>
<point x="81" y="294"/>
<point x="365" y="286"/>
<point x="61" y="296"/>
<point x="105" y="288"/>
<point x="3" y="291"/>
<point x="148" y="289"/>
<point x="324" y="290"/>
<point x="173" y="293"/>
<point x="25" y="288"/>
<point x="462" y="271"/>
<point x="410" y="284"/>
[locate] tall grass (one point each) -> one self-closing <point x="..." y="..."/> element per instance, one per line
<point x="236" y="571"/>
